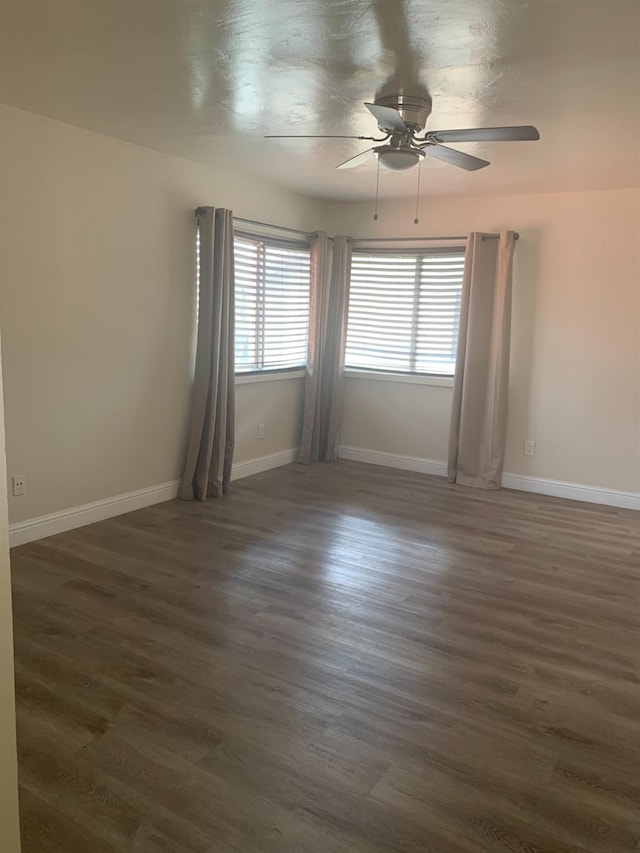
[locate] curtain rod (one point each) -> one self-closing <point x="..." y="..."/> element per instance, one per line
<point x="516" y="236"/>
<point x="199" y="211"/>
<point x="277" y="227"/>
<point x="357" y="239"/>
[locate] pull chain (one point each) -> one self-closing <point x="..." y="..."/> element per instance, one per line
<point x="375" y="214"/>
<point x="416" y="220"/>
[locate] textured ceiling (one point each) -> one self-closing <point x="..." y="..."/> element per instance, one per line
<point x="206" y="79"/>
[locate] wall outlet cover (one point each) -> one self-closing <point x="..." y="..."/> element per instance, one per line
<point x="19" y="485"/>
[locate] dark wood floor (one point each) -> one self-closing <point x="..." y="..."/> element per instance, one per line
<point x="334" y="658"/>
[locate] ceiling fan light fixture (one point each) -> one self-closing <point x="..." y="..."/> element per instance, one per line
<point x="400" y="159"/>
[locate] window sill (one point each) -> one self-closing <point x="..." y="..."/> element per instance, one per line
<point x="269" y="376"/>
<point x="407" y="378"/>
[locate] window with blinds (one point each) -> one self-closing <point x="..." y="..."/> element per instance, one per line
<point x="404" y="310"/>
<point x="272" y="282"/>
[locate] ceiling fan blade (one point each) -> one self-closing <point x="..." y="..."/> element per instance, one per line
<point x="358" y="160"/>
<point x="521" y="133"/>
<point x="387" y="118"/>
<point x="316" y="136"/>
<point x="455" y="158"/>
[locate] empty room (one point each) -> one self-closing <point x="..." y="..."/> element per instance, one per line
<point x="320" y="334"/>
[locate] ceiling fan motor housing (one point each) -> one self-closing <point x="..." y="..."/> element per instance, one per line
<point x="413" y="110"/>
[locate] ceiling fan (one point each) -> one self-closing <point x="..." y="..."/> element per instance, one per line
<point x="401" y="118"/>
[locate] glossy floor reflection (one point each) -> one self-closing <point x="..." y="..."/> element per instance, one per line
<point x="334" y="658"/>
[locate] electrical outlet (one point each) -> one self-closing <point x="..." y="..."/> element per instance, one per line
<point x="19" y="485"/>
<point x="260" y="430"/>
<point x="529" y="448"/>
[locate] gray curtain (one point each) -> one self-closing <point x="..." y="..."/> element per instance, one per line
<point x="324" y="389"/>
<point x="207" y="469"/>
<point x="479" y="412"/>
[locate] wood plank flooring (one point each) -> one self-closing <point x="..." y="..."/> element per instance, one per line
<point x="333" y="659"/>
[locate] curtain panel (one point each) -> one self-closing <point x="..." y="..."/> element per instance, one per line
<point x="207" y="470"/>
<point x="324" y="388"/>
<point x="479" y="410"/>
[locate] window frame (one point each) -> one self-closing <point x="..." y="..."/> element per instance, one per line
<point x="266" y="374"/>
<point x="412" y="377"/>
<point x="248" y="377"/>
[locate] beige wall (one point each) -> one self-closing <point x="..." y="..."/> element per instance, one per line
<point x="9" y="829"/>
<point x="406" y="419"/>
<point x="277" y="405"/>
<point x="575" y="366"/>
<point x="97" y="301"/>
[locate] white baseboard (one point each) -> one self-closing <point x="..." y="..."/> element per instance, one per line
<point x="393" y="460"/>
<point x="263" y="463"/>
<point x="572" y="491"/>
<point x="79" y="516"/>
<point x="520" y="482"/>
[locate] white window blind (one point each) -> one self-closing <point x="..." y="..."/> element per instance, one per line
<point x="404" y="311"/>
<point x="272" y="282"/>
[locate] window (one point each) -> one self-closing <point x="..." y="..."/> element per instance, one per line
<point x="404" y="311"/>
<point x="272" y="304"/>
